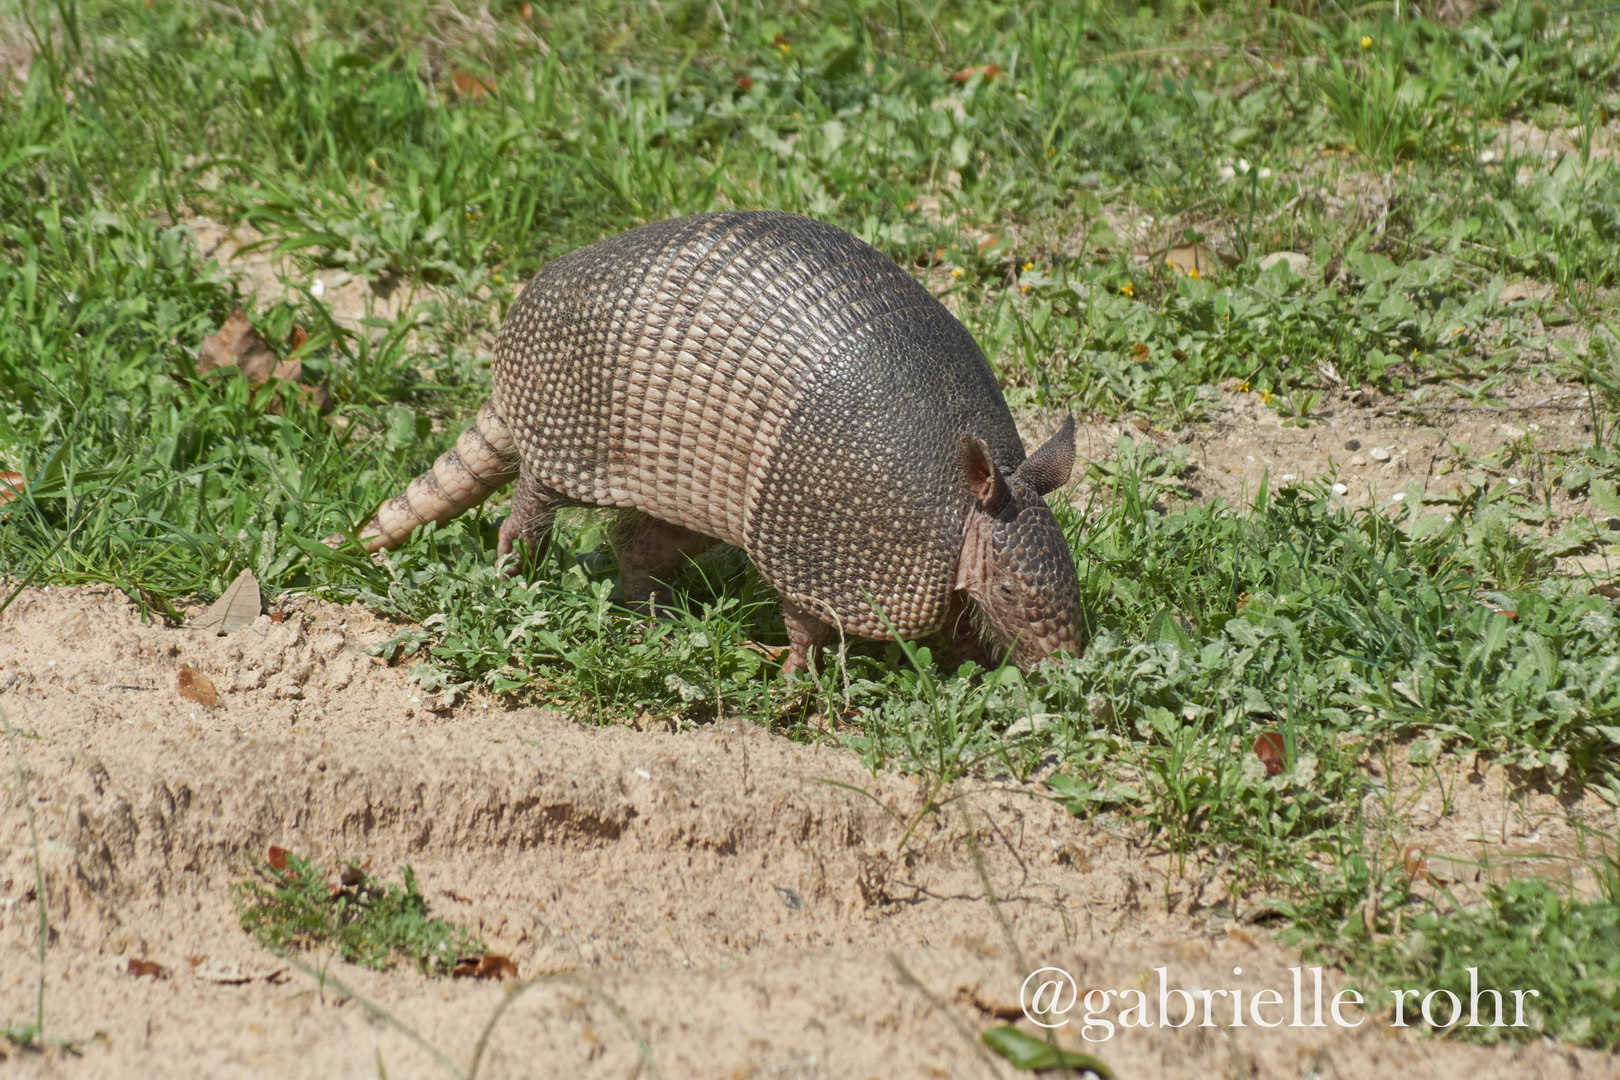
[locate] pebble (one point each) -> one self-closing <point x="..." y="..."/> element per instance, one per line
<point x="1340" y="489"/>
<point x="1358" y="460"/>
<point x="1379" y="453"/>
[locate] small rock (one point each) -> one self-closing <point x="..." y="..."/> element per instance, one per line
<point x="1379" y="453"/>
<point x="1296" y="261"/>
<point x="1358" y="460"/>
<point x="1353" y="445"/>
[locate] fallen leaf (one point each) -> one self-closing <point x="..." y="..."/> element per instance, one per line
<point x="11" y="485"/>
<point x="1269" y="749"/>
<point x="147" y="969"/>
<point x="196" y="961"/>
<point x="198" y="688"/>
<point x="527" y="11"/>
<point x="745" y="83"/>
<point x="470" y="86"/>
<point x="1140" y="351"/>
<point x="296" y="339"/>
<point x="240" y="346"/>
<point x="236" y="607"/>
<point x="277" y="857"/>
<point x="276" y="617"/>
<point x="237" y="345"/>
<point x="1413" y="862"/>
<point x="781" y="41"/>
<point x="989" y="71"/>
<point x="1608" y="589"/>
<point x="490" y="966"/>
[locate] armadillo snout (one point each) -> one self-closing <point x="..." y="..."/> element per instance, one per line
<point x="1029" y="600"/>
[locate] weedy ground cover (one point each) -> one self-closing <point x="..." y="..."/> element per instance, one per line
<point x="1047" y="169"/>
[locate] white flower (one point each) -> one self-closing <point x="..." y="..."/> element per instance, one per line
<point x="1289" y="478"/>
<point x="317" y="288"/>
<point x="1513" y="481"/>
<point x="1399" y="496"/>
<point x="1243" y="166"/>
<point x="1227" y="172"/>
<point x="1487" y="156"/>
<point x="1265" y="174"/>
<point x="1340" y="489"/>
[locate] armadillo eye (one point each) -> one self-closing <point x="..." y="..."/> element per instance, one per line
<point x="1007" y="593"/>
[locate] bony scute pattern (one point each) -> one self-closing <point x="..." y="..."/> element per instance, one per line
<point x="774" y="383"/>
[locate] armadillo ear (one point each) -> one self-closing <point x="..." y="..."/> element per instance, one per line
<point x="987" y="485"/>
<point x="1048" y="468"/>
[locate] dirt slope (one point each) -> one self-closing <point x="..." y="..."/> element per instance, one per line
<point x="739" y="915"/>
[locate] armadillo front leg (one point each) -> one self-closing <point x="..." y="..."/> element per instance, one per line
<point x="534" y="508"/>
<point x="650" y="552"/>
<point x="805" y="632"/>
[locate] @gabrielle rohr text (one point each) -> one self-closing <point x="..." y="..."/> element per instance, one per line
<point x="1052" y="998"/>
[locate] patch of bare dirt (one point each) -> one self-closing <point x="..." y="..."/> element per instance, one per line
<point x="704" y="892"/>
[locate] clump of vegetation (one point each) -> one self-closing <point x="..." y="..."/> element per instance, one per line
<point x="291" y="906"/>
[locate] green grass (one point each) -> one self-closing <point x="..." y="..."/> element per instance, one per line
<point x="359" y="918"/>
<point x="1373" y="145"/>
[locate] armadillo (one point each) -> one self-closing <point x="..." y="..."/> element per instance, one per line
<point x="771" y="382"/>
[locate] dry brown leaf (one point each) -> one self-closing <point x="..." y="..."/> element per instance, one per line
<point x="471" y="86"/>
<point x="236" y="607"/>
<point x="146" y="969"/>
<point x="238" y="345"/>
<point x="1413" y="862"/>
<point x="989" y="71"/>
<point x="277" y="857"/>
<point x="296" y="339"/>
<point x="1141" y="352"/>
<point x="198" y="688"/>
<point x="196" y="961"/>
<point x="11" y="485"/>
<point x="745" y="83"/>
<point x="1269" y="749"/>
<point x="490" y="966"/>
<point x="1608" y="589"/>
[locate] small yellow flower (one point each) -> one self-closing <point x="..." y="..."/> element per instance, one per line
<point x="372" y="162"/>
<point x="1243" y="388"/>
<point x="1192" y="271"/>
<point x="1024" y="288"/>
<point x="956" y="271"/>
<point x="1265" y="397"/>
<point x="1050" y="150"/>
<point x="1366" y="42"/>
<point x="498" y="278"/>
<point x="1128" y="289"/>
<point x="1027" y="267"/>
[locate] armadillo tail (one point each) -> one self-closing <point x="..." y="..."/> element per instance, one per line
<point x="483" y="460"/>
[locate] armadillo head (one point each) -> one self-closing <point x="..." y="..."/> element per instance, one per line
<point x="1016" y="567"/>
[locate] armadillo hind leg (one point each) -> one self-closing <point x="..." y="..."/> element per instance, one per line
<point x="534" y="508"/>
<point x="651" y="552"/>
<point x="805" y="632"/>
<point x="483" y="460"/>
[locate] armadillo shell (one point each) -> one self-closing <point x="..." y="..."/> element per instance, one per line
<point x="768" y="380"/>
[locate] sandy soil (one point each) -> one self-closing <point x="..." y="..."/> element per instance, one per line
<point x="703" y="892"/>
